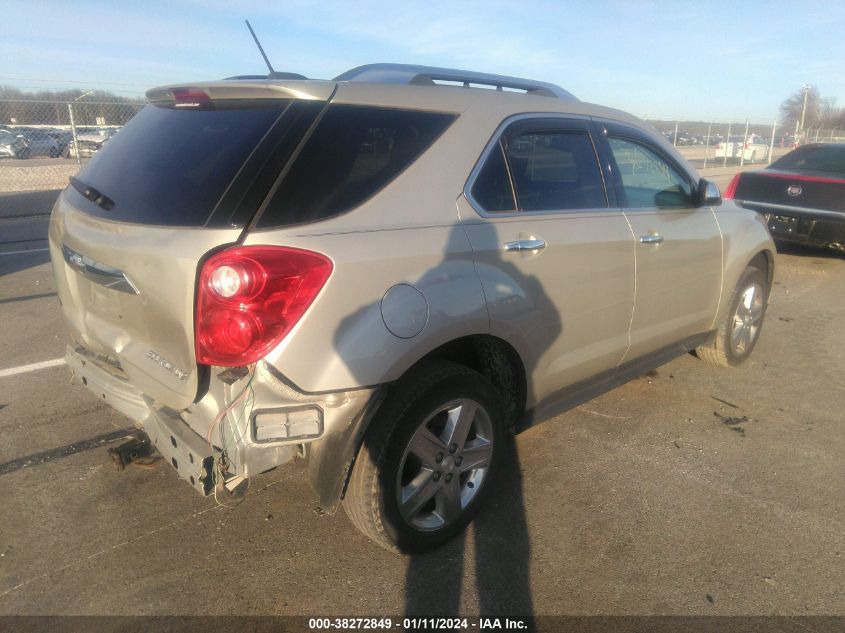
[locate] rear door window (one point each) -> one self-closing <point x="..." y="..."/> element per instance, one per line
<point x="492" y="189"/>
<point x="353" y="152"/>
<point x="555" y="170"/>
<point x="171" y="167"/>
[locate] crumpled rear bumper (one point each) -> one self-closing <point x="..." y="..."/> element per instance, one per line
<point x="191" y="440"/>
<point x="188" y="453"/>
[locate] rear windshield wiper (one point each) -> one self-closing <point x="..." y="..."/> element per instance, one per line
<point x="101" y="200"/>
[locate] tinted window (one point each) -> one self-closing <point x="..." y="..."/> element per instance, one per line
<point x="829" y="158"/>
<point x="169" y="166"/>
<point x="554" y="171"/>
<point x="492" y="188"/>
<point x="647" y="179"/>
<point x="351" y="155"/>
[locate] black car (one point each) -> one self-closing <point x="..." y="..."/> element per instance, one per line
<point x="802" y="195"/>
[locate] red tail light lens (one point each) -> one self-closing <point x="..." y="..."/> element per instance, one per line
<point x="719" y="146"/>
<point x="731" y="190"/>
<point x="250" y="297"/>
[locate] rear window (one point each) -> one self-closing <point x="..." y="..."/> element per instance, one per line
<point x="827" y="158"/>
<point x="170" y="167"/>
<point x="353" y="153"/>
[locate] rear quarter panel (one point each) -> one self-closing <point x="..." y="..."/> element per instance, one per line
<point x="342" y="342"/>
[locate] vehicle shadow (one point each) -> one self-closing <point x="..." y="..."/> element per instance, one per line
<point x="435" y="580"/>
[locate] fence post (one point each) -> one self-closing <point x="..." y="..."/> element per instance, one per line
<point x="727" y="141"/>
<point x="772" y="142"/>
<point x="744" y="143"/>
<point x="73" y="135"/>
<point x="707" y="144"/>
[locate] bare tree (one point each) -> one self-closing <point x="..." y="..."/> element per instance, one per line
<point x="819" y="112"/>
<point x="792" y="110"/>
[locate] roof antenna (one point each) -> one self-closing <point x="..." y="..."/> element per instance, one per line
<point x="258" y="44"/>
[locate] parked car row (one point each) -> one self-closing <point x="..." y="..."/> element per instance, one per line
<point x="684" y="139"/>
<point x="29" y="142"/>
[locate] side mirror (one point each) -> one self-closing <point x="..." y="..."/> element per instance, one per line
<point x="708" y="194"/>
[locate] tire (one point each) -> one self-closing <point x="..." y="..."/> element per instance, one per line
<point x="407" y="452"/>
<point x="740" y="328"/>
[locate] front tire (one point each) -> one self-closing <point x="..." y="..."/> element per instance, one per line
<point x="740" y="328"/>
<point x="428" y="460"/>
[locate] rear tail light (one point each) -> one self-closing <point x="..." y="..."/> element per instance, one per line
<point x="719" y="146"/>
<point x="731" y="190"/>
<point x="249" y="298"/>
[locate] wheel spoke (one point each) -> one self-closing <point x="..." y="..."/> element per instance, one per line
<point x="417" y="493"/>
<point x="425" y="446"/>
<point x="748" y="299"/>
<point x="449" y="500"/>
<point x="477" y="456"/>
<point x="737" y="334"/>
<point x="746" y="338"/>
<point x="458" y="424"/>
<point x="757" y="312"/>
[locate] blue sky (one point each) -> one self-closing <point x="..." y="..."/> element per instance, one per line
<point x="656" y="59"/>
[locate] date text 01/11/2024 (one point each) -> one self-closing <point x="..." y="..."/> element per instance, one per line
<point x="417" y="624"/>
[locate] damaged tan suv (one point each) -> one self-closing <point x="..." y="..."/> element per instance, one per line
<point x="388" y="273"/>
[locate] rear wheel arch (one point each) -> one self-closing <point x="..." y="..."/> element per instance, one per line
<point x="488" y="355"/>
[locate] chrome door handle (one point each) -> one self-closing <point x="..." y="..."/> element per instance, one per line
<point x="525" y="245"/>
<point x="651" y="239"/>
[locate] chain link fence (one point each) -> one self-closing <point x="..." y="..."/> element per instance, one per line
<point x="42" y="143"/>
<point x="713" y="145"/>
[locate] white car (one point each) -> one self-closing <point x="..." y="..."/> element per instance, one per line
<point x="750" y="148"/>
<point x="90" y="140"/>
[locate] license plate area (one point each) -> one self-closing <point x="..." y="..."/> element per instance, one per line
<point x="786" y="225"/>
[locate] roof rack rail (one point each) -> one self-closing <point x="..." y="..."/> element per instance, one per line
<point x="273" y="75"/>
<point x="429" y="75"/>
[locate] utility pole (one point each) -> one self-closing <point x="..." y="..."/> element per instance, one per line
<point x="73" y="127"/>
<point x="804" y="109"/>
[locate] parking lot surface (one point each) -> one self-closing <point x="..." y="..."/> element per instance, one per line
<point x="692" y="490"/>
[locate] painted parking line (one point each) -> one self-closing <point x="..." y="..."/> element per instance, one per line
<point x="31" y="250"/>
<point x="23" y="369"/>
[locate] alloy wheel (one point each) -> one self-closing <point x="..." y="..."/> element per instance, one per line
<point x="445" y="464"/>
<point x="747" y="320"/>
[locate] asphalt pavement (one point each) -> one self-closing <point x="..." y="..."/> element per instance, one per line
<point x="692" y="490"/>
